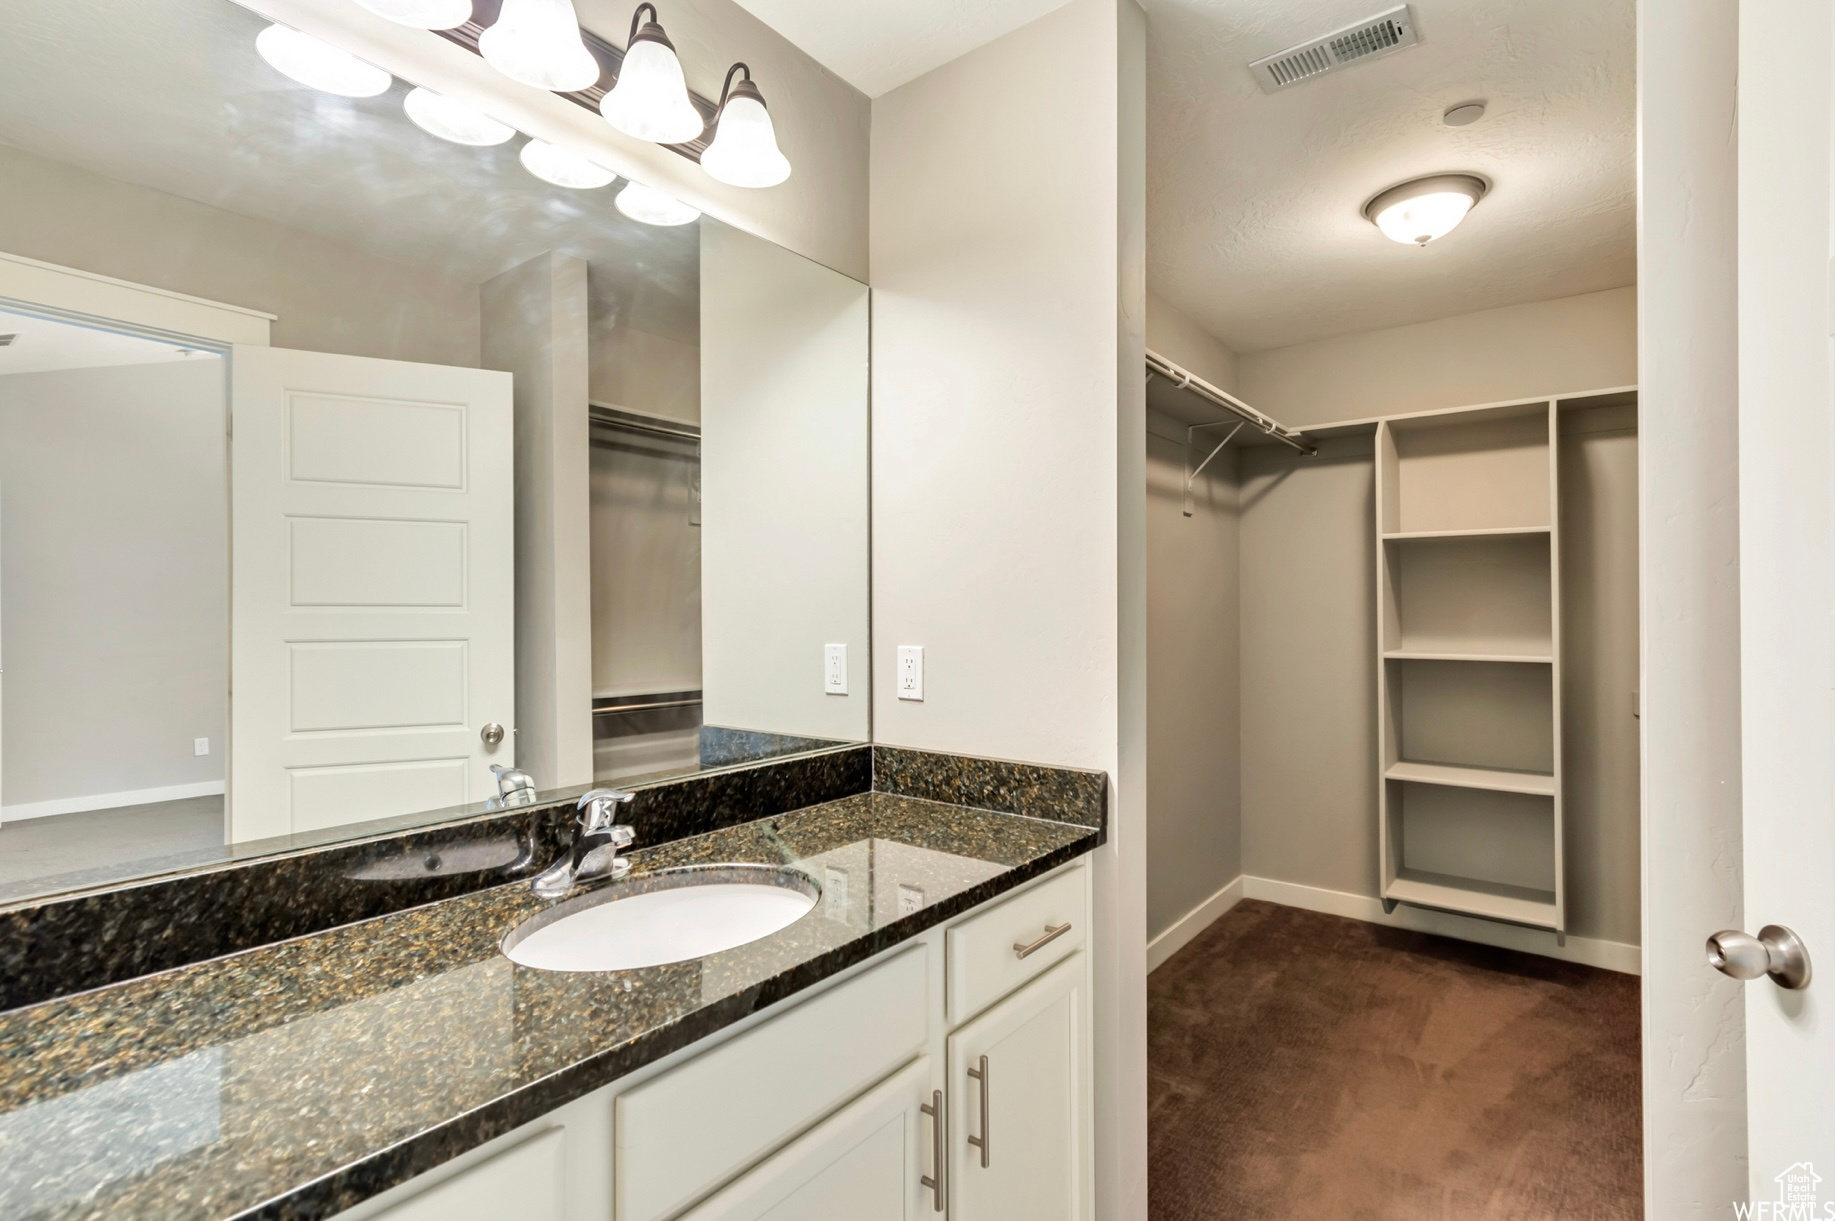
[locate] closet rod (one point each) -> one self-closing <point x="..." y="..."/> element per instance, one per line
<point x="1184" y="379"/>
<point x="612" y="417"/>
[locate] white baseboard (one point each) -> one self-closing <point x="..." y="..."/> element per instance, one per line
<point x="1611" y="955"/>
<point x="1183" y="930"/>
<point x="108" y="801"/>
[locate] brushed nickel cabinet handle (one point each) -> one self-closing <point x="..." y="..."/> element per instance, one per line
<point x="981" y="1075"/>
<point x="939" y="1151"/>
<point x="1025" y="949"/>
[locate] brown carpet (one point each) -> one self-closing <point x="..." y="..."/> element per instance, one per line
<point x="1307" y="1066"/>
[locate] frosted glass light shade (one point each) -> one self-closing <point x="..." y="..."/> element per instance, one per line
<point x="538" y="43"/>
<point x="563" y="168"/>
<point x="319" y="65"/>
<point x="1416" y="213"/>
<point x="650" y="100"/>
<point x="438" y="115"/>
<point x="652" y="207"/>
<point x="422" y="14"/>
<point x="744" y="152"/>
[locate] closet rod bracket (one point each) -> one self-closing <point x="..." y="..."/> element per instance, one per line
<point x="1191" y="472"/>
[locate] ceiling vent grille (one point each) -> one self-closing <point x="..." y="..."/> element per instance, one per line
<point x="6" y="341"/>
<point x="1381" y="35"/>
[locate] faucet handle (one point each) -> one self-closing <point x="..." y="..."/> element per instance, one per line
<point x="598" y="806"/>
<point x="514" y="786"/>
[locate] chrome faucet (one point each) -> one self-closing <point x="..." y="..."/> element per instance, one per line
<point x="514" y="787"/>
<point x="596" y="841"/>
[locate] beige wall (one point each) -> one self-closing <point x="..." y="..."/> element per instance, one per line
<point x="328" y="298"/>
<point x="1008" y="466"/>
<point x="1185" y="343"/>
<point x="1194" y="814"/>
<point x="784" y="486"/>
<point x="1546" y="347"/>
<point x="114" y="579"/>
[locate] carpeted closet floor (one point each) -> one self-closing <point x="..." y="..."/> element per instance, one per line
<point x="1308" y="1066"/>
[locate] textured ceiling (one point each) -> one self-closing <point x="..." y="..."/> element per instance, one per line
<point x="1254" y="200"/>
<point x="878" y="45"/>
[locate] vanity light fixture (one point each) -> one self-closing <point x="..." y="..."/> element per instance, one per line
<point x="438" y="115"/>
<point x="652" y="207"/>
<point x="319" y="65"/>
<point x="744" y="151"/>
<point x="563" y="168"/>
<point x="1422" y="209"/>
<point x="422" y="14"/>
<point x="650" y="99"/>
<point x="538" y="43"/>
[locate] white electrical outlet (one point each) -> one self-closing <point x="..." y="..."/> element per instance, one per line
<point x="200" y="746"/>
<point x="911" y="672"/>
<point x="910" y="899"/>
<point x="834" y="669"/>
<point x="834" y="894"/>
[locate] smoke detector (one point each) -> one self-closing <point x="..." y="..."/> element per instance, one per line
<point x="1383" y="34"/>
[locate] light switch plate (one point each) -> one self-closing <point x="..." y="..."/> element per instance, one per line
<point x="911" y="672"/>
<point x="834" y="669"/>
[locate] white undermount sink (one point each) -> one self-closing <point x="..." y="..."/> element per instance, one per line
<point x="669" y="916"/>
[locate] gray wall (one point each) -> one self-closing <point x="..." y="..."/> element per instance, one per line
<point x="328" y="297"/>
<point x="114" y="574"/>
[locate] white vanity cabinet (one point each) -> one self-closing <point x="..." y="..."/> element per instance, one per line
<point x="824" y="1109"/>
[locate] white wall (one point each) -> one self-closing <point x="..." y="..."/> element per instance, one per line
<point x="1545" y="347"/>
<point x="784" y="488"/>
<point x="1008" y="477"/>
<point x="535" y="328"/>
<point x="328" y="298"/>
<point x="1176" y="337"/>
<point x="1694" y="1019"/>
<point x="114" y="579"/>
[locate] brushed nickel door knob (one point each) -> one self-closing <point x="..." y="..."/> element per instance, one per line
<point x="1776" y="952"/>
<point x="492" y="734"/>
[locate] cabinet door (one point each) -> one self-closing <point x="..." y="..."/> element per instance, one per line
<point x="523" y="1182"/>
<point x="1014" y="1086"/>
<point x="862" y="1164"/>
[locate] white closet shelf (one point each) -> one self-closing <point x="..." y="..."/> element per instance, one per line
<point x="1542" y="659"/>
<point x="1511" y="903"/>
<point x="1497" y="780"/>
<point x="1486" y="532"/>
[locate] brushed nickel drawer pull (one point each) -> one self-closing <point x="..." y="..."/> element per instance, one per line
<point x="939" y="1151"/>
<point x="981" y="1074"/>
<point x="1052" y="932"/>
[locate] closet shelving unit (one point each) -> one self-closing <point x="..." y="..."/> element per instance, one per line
<point x="1468" y="554"/>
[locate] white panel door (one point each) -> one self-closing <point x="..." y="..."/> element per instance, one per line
<point x="865" y="1163"/>
<point x="372" y="603"/>
<point x="1013" y="1125"/>
<point x="1787" y="588"/>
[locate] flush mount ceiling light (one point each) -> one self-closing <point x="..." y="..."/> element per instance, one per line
<point x="319" y="65"/>
<point x="650" y="101"/>
<point x="422" y="14"/>
<point x="438" y="115"/>
<point x="744" y="152"/>
<point x="538" y="43"/>
<point x="652" y="207"/>
<point x="1416" y="212"/>
<point x="563" y="168"/>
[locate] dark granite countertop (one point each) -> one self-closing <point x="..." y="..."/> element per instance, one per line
<point x="294" y="1080"/>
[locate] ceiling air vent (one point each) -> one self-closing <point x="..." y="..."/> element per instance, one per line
<point x="1380" y="35"/>
<point x="6" y="341"/>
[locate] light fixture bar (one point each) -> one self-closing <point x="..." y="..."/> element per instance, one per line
<point x="610" y="56"/>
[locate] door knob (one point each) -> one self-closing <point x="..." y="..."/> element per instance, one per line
<point x="492" y="734"/>
<point x="1776" y="952"/>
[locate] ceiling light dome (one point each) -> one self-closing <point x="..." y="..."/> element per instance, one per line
<point x="422" y="14"/>
<point x="538" y="43"/>
<point x="438" y="115"/>
<point x="563" y="168"/>
<point x="652" y="207"/>
<point x="650" y="100"/>
<point x="1418" y="211"/>
<point x="744" y="152"/>
<point x="319" y="65"/>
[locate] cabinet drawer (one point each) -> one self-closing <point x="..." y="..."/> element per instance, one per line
<point x="681" y="1134"/>
<point x="984" y="964"/>
<point x="523" y="1181"/>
